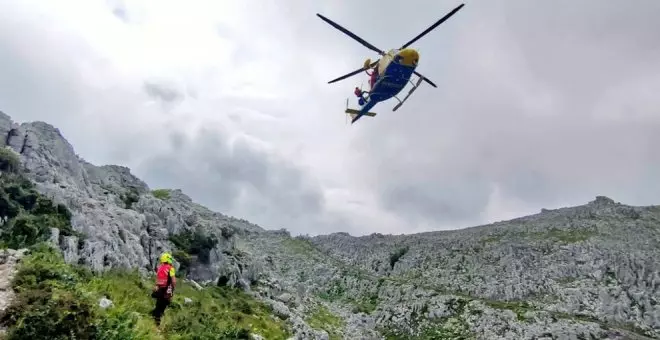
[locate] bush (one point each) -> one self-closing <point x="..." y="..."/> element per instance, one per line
<point x="184" y="259"/>
<point x="396" y="256"/>
<point x="46" y="305"/>
<point x="366" y="304"/>
<point x="45" y="267"/>
<point x="50" y="314"/>
<point x="25" y="230"/>
<point x="195" y="243"/>
<point x="162" y="194"/>
<point x="9" y="160"/>
<point x="30" y="215"/>
<point x="129" y="198"/>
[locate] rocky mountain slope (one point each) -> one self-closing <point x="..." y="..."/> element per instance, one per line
<point x="586" y="272"/>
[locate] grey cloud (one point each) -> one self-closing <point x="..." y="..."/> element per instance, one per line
<point x="119" y="10"/>
<point x="583" y="48"/>
<point x="28" y="95"/>
<point x="428" y="198"/>
<point x="177" y="141"/>
<point x="120" y="13"/>
<point x="236" y="178"/>
<point x="163" y="92"/>
<point x="520" y="106"/>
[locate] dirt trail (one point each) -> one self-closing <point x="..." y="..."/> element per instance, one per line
<point x="9" y="259"/>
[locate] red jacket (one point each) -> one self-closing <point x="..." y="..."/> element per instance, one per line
<point x="162" y="273"/>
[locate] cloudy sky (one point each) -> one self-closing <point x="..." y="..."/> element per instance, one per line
<point x="539" y="104"/>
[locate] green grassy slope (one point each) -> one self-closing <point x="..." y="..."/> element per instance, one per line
<point x="56" y="300"/>
<point x="60" y="301"/>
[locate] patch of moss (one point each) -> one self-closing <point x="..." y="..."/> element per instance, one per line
<point x="566" y="280"/>
<point x="609" y="324"/>
<point x="299" y="245"/>
<point x="335" y="291"/>
<point x="518" y="307"/>
<point x="565" y="235"/>
<point x="454" y="328"/>
<point x="491" y="239"/>
<point x="162" y="194"/>
<point x="456" y="305"/>
<point x="366" y="304"/>
<point x="322" y="319"/>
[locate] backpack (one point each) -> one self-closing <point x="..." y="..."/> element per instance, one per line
<point x="168" y="292"/>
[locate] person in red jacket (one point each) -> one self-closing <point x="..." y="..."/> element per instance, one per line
<point x="164" y="288"/>
<point x="373" y="76"/>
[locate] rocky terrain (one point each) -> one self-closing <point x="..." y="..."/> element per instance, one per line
<point x="586" y="272"/>
<point x="8" y="260"/>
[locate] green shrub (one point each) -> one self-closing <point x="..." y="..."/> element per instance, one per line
<point x="43" y="268"/>
<point x="366" y="304"/>
<point x="195" y="243"/>
<point x="184" y="259"/>
<point x="8" y="207"/>
<point x="118" y="324"/>
<point x="46" y="305"/>
<point x="21" y="193"/>
<point x="50" y="314"/>
<point x="25" y="230"/>
<point x="322" y="319"/>
<point x="30" y="214"/>
<point x="129" y="198"/>
<point x="396" y="256"/>
<point x="16" y="195"/>
<point x="162" y="194"/>
<point x="9" y="160"/>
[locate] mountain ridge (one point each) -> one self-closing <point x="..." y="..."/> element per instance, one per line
<point x="562" y="273"/>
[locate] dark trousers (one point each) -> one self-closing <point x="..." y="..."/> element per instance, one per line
<point x="161" y="304"/>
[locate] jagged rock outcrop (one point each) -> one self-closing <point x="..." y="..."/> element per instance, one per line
<point x="582" y="272"/>
<point x="125" y="226"/>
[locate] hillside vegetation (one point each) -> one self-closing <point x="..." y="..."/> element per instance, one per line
<point x="59" y="301"/>
<point x="56" y="300"/>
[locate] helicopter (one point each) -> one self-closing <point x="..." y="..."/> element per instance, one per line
<point x="389" y="74"/>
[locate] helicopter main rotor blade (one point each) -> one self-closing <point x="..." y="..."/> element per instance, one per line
<point x="433" y="26"/>
<point x="350" y="34"/>
<point x="425" y="79"/>
<point x="354" y="72"/>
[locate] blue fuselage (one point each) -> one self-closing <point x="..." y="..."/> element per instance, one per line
<point x="391" y="82"/>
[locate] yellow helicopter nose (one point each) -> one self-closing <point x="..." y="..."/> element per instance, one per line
<point x="409" y="57"/>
